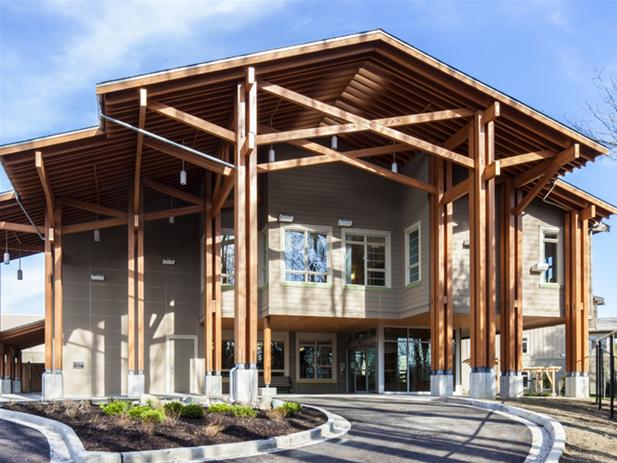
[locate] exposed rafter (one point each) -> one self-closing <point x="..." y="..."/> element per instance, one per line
<point x="188" y="157"/>
<point x="457" y="191"/>
<point x="96" y="208"/>
<point x="171" y="191"/>
<point x="141" y="123"/>
<point x="47" y="190"/>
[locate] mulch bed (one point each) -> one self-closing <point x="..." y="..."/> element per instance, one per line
<point x="99" y="432"/>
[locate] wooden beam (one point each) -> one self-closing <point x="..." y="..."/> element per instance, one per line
<point x="49" y="295"/>
<point x="44" y="179"/>
<point x="379" y="129"/>
<point x="175" y="212"/>
<point x="17" y="227"/>
<point x="208" y="293"/>
<point x="267" y="352"/>
<point x="171" y="191"/>
<point x="492" y="170"/>
<point x="456" y="192"/>
<point x="140" y="261"/>
<point x="218" y="294"/>
<point x="552" y="164"/>
<point x="141" y="123"/>
<point x="327" y="130"/>
<point x="219" y="201"/>
<point x="97" y="209"/>
<point x="462" y="134"/>
<point x="589" y="213"/>
<point x="98" y="224"/>
<point x="58" y="333"/>
<point x="131" y="288"/>
<point x="187" y="157"/>
<point x="192" y="121"/>
<point x="533" y="156"/>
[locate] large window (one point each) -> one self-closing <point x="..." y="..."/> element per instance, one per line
<point x="316" y="357"/>
<point x="550" y="249"/>
<point x="367" y="258"/>
<point x="278" y="355"/>
<point x="306" y="255"/>
<point x="412" y="254"/>
<point x="228" y="260"/>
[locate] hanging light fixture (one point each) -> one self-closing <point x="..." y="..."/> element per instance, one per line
<point x="97" y="235"/>
<point x="271" y="154"/>
<point x="172" y="219"/>
<point x="7" y="256"/>
<point x="334" y="142"/>
<point x="183" y="180"/>
<point x="394" y="166"/>
<point x="20" y="273"/>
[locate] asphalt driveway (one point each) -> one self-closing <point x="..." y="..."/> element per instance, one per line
<point x="21" y="444"/>
<point x="394" y="429"/>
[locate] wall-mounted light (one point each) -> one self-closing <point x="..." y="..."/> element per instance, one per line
<point x="286" y="218"/>
<point x="465" y="244"/>
<point x="168" y="261"/>
<point x="97" y="276"/>
<point x="344" y="222"/>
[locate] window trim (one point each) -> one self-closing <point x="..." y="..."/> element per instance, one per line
<point x="413" y="227"/>
<point x="550" y="229"/>
<point x="388" y="270"/>
<point x="323" y="336"/>
<point x="327" y="230"/>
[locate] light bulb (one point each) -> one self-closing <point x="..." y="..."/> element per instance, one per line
<point x="271" y="155"/>
<point x="334" y="142"/>
<point x="97" y="235"/>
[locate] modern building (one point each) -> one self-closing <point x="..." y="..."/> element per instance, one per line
<point x="330" y="217"/>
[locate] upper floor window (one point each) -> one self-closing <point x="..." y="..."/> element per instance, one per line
<point x="550" y="247"/>
<point x="412" y="254"/>
<point x="367" y="258"/>
<point x="228" y="260"/>
<point x="306" y="255"/>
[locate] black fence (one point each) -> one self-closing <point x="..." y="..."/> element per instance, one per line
<point x="606" y="384"/>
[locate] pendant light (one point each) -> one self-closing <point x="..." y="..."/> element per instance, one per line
<point x="97" y="232"/>
<point x="334" y="142"/>
<point x="96" y="235"/>
<point x="394" y="166"/>
<point x="7" y="256"/>
<point x="172" y="219"/>
<point x="271" y="154"/>
<point x="183" y="179"/>
<point x="20" y="272"/>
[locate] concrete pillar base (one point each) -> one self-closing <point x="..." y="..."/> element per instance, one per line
<point x="266" y="394"/>
<point x="136" y="385"/>
<point x="483" y="385"/>
<point x="442" y="384"/>
<point x="52" y="385"/>
<point x="17" y="386"/>
<point x="577" y="386"/>
<point x="243" y="384"/>
<point x="511" y="386"/>
<point x="5" y="386"/>
<point x="213" y="385"/>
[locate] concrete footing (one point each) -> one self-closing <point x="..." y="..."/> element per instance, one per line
<point x="213" y="385"/>
<point x="577" y="386"/>
<point x="482" y="385"/>
<point x="136" y="385"/>
<point x="52" y="385"/>
<point x="442" y="384"/>
<point x="511" y="386"/>
<point x="243" y="384"/>
<point x="5" y="386"/>
<point x="17" y="386"/>
<point x="266" y="394"/>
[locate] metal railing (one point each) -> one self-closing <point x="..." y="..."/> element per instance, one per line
<point x="603" y="387"/>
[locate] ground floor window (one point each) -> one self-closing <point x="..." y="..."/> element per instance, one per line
<point x="278" y="357"/>
<point x="407" y="359"/>
<point x="315" y="359"/>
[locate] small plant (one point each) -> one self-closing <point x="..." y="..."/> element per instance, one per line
<point x="153" y="415"/>
<point x="276" y="414"/>
<point x="173" y="408"/>
<point x="192" y="411"/>
<point x="220" y="408"/>
<point x="214" y="428"/>
<point x="290" y="408"/>
<point x="235" y="410"/>
<point x="119" y="407"/>
<point x="138" y="411"/>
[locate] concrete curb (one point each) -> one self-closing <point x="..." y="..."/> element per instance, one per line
<point x="554" y="443"/>
<point x="334" y="427"/>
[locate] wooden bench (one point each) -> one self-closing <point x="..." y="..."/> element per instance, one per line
<point x="279" y="382"/>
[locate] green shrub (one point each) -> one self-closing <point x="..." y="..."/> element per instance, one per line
<point x="290" y="408"/>
<point x="173" y="408"/>
<point x="119" y="407"/>
<point x="220" y="408"/>
<point x="153" y="416"/>
<point x="138" y="412"/>
<point x="235" y="410"/>
<point x="193" y="411"/>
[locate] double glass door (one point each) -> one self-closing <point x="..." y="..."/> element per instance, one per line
<point x="407" y="359"/>
<point x="362" y="364"/>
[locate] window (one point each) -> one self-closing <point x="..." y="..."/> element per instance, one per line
<point x="525" y="344"/>
<point x="550" y="247"/>
<point x="412" y="254"/>
<point x="367" y="258"/>
<point x="227" y="260"/>
<point x="278" y="355"/>
<point x="316" y="357"/>
<point x="306" y="255"/>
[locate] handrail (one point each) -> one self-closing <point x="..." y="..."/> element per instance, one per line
<point x="600" y="375"/>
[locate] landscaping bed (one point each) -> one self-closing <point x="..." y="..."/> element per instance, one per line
<point x="123" y="426"/>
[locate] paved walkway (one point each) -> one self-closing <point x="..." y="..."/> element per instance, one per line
<point x="394" y="429"/>
<point x="21" y="444"/>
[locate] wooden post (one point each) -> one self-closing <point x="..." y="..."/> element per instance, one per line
<point x="585" y="292"/>
<point x="58" y="287"/>
<point x="140" y="286"/>
<point x="18" y="366"/>
<point x="131" y="288"/>
<point x="10" y="363"/>
<point x="2" y="362"/>
<point x="208" y="282"/>
<point x="240" y="229"/>
<point x="218" y="292"/>
<point x="49" y="294"/>
<point x="267" y="352"/>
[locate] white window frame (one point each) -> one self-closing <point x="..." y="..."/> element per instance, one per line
<point x="366" y="232"/>
<point x="229" y="232"/>
<point x="305" y="228"/>
<point x="556" y="230"/>
<point x="414" y="227"/>
<point x="321" y="336"/>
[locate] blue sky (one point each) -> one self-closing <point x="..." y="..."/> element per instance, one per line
<point x="53" y="53"/>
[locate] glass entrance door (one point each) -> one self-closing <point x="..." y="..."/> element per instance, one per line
<point x="363" y="363"/>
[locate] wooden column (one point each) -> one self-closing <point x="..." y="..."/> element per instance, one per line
<point x="482" y="249"/>
<point x="18" y="366"/>
<point x="218" y="293"/>
<point x="208" y="284"/>
<point x="267" y="352"/>
<point x="252" y="237"/>
<point x="2" y="362"/>
<point x="240" y="229"/>
<point x="49" y="294"/>
<point x="140" y="286"/>
<point x="131" y="287"/>
<point x="58" y="287"/>
<point x="10" y="363"/>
